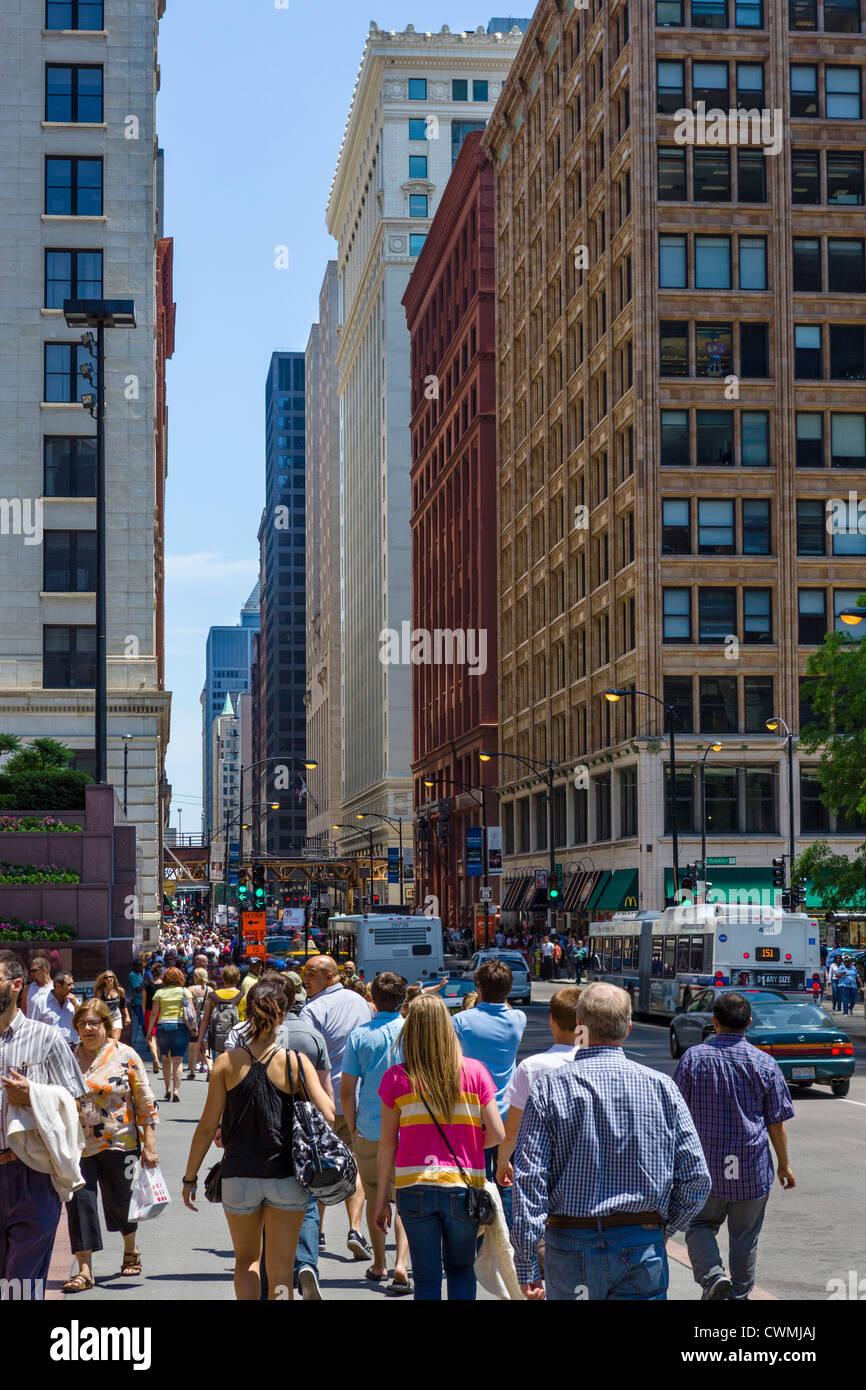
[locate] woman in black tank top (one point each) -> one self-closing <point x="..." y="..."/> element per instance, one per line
<point x="250" y="1097"/>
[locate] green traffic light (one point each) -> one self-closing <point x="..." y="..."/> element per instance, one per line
<point x="553" y="893"/>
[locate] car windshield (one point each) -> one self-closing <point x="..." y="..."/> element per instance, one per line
<point x="512" y="958"/>
<point x="791" y="1016"/>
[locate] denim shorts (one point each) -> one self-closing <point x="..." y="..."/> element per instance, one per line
<point x="243" y="1196"/>
<point x="173" y="1039"/>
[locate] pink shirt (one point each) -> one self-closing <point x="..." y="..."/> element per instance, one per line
<point x="422" y="1157"/>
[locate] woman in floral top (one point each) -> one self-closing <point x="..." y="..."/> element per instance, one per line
<point x="118" y="1115"/>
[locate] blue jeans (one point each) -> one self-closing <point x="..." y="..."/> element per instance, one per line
<point x="307" y="1253"/>
<point x="440" y="1234"/>
<point x="617" y="1263"/>
<point x="849" y="998"/>
<point x="837" y="994"/>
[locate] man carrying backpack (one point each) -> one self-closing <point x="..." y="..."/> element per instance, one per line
<point x="221" y="1014"/>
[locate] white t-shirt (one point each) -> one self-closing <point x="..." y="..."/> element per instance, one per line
<point x="32" y="996"/>
<point x="835" y="969"/>
<point x="547" y="948"/>
<point x="48" y="1009"/>
<point x="531" y="1068"/>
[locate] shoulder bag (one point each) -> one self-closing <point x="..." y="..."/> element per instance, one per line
<point x="324" y="1166"/>
<point x="480" y="1206"/>
<point x="213" y="1183"/>
<point x="189" y="1014"/>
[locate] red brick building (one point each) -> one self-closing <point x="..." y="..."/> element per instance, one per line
<point x="450" y="310"/>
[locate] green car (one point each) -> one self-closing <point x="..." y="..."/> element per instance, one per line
<point x="808" y="1045"/>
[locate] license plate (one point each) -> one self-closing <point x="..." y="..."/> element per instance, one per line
<point x="803" y="1073"/>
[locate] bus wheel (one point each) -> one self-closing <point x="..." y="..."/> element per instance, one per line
<point x="840" y="1088"/>
<point x="676" y="1047"/>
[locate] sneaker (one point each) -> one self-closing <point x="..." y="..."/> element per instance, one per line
<point x="717" y="1288"/>
<point x="358" y="1246"/>
<point x="308" y="1283"/>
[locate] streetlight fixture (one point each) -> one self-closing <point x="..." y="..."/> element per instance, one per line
<point x="309" y="763"/>
<point x="126" y="740"/>
<point x="398" y="822"/>
<point x="773" y="724"/>
<point x="99" y="314"/>
<point x="549" y="769"/>
<point x="710" y="748"/>
<point x="482" y="802"/>
<point x="369" y="831"/>
<point x="613" y="696"/>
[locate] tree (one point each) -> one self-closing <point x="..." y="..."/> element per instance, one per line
<point x="838" y="881"/>
<point x="42" y="755"/>
<point x="837" y="693"/>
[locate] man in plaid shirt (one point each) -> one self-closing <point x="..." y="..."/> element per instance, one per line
<point x="739" y="1102"/>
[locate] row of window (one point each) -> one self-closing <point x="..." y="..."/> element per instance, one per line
<point x="706" y="263"/>
<point x="725" y="704"/>
<point x="719" y="616"/>
<point x="839" y="354"/>
<point x="723" y="438"/>
<point x="460" y="90"/>
<point x="712" y="180"/>
<point x="839" y="16"/>
<point x="711" y="84"/>
<point x="717" y="531"/>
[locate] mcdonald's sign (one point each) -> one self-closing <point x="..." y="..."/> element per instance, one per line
<point x="631" y="901"/>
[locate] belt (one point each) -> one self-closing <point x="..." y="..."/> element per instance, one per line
<point x="616" y="1218"/>
<point x="7" y="1156"/>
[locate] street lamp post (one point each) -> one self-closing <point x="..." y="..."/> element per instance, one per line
<point x="126" y="738"/>
<point x="309" y="763"/>
<point x="773" y="724"/>
<point x="711" y="748"/>
<point x="99" y="314"/>
<point x="485" y="859"/>
<point x="549" y="769"/>
<point x="398" y="822"/>
<point x="613" y="696"/>
<point x="369" y="831"/>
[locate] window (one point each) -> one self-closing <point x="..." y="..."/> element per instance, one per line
<point x="757" y="535"/>
<point x="63" y="381"/>
<point x="602" y="806"/>
<point x="677" y="615"/>
<point x="847" y="357"/>
<point x="73" y="94"/>
<point x="811" y="526"/>
<point x="628" y="803"/>
<point x="749" y="14"/>
<point x="812" y="617"/>
<point x="847" y="441"/>
<point x="417" y="204"/>
<point x="716" y="527"/>
<point x="69" y="658"/>
<point x="842" y="16"/>
<point x="753" y="263"/>
<point x="846" y="269"/>
<point x="713" y="349"/>
<point x="717" y="614"/>
<point x="755" y="431"/>
<point x="676" y="526"/>
<point x="670" y="82"/>
<point x="847" y="598"/>
<point x="847" y="536"/>
<point x="72" y="275"/>
<point x="73" y="187"/>
<point x="677" y="691"/>
<point x="417" y="88"/>
<point x="842" y="94"/>
<point x="669" y="13"/>
<point x="417" y="166"/>
<point x="675" y="448"/>
<point x="710" y="14"/>
<point x="802" y="14"/>
<point x="711" y="176"/>
<point x="804" y="90"/>
<point x="807" y="264"/>
<point x="672" y="262"/>
<point x="751" y="176"/>
<point x="416" y="242"/>
<point x="710" y="82"/>
<point x="757" y="615"/>
<point x="70" y="466"/>
<point x="810" y="439"/>
<point x="718" y="705"/>
<point x="418" y="129"/>
<point x="758" y="702"/>
<point x="674" y="348"/>
<point x="754" y="350"/>
<point x="712" y="262"/>
<point x="750" y="85"/>
<point x="845" y="179"/>
<point x="808" y="365"/>
<point x="459" y="89"/>
<point x="73" y="14"/>
<point x="479" y="91"/>
<point x="459" y="131"/>
<point x="69" y="562"/>
<point x="672" y="174"/>
<point x="806" y="176"/>
<point x="715" y="438"/>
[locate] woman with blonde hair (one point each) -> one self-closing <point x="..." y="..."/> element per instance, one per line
<point x="439" y="1114"/>
<point x="166" y="1020"/>
<point x="199" y="993"/>
<point x="112" y="993"/>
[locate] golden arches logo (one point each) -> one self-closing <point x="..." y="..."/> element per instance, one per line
<point x="631" y="901"/>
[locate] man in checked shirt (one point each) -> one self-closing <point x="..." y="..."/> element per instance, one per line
<point x="29" y="1205"/>
<point x="739" y="1102"/>
<point x="607" y="1160"/>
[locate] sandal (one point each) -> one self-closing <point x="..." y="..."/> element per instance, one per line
<point x="131" y="1263"/>
<point x="398" y="1289"/>
<point x="80" y="1284"/>
<point x="373" y="1277"/>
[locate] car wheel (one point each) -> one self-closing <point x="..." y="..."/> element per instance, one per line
<point x="840" y="1088"/>
<point x="676" y="1047"/>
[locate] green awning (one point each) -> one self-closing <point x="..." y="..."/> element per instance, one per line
<point x="733" y="885"/>
<point x="592" y="902"/>
<point x="621" y="892"/>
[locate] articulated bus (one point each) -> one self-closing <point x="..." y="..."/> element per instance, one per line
<point x="660" y="958"/>
<point x="409" y="945"/>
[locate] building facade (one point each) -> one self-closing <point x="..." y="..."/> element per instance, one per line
<point x="81" y="219"/>
<point x="226" y="757"/>
<point x="416" y="98"/>
<point x="450" y="314"/>
<point x="682" y="330"/>
<point x="228" y="671"/>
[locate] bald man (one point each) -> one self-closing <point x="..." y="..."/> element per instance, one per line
<point x="335" y="1011"/>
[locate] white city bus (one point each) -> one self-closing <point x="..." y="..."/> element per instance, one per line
<point x="408" y="944"/>
<point x="661" y="957"/>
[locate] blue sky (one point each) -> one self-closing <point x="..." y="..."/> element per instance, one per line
<point x="251" y="113"/>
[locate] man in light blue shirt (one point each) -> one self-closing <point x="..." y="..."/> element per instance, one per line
<point x="370" y="1050"/>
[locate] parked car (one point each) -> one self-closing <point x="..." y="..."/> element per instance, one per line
<point x="455" y="991"/>
<point x="807" y="1043"/>
<point x="521" y="991"/>
<point x="694" y="1023"/>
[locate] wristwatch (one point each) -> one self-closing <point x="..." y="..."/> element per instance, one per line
<point x="190" y="1182"/>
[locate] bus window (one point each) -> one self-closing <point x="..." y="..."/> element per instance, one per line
<point x="606" y="953"/>
<point x="627" y="951"/>
<point x="696" y="963"/>
<point x="617" y="953"/>
<point x="670" y="957"/>
<point x="656" y="968"/>
<point x="683" y="954"/>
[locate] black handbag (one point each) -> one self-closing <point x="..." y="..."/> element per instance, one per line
<point x="213" y="1183"/>
<point x="325" y="1167"/>
<point x="480" y="1206"/>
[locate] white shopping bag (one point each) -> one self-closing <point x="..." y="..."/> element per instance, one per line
<point x="150" y="1196"/>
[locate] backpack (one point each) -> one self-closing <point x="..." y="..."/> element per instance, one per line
<point x="223" y="1019"/>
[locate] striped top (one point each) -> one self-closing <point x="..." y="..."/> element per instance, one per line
<point x="421" y="1156"/>
<point x="40" y="1052"/>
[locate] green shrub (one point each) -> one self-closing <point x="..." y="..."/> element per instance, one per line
<point x="62" y="790"/>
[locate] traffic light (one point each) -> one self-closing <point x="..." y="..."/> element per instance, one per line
<point x="243" y="887"/>
<point x="779" y="872"/>
<point x="258" y="886"/>
<point x="554" y="886"/>
<point x="688" y="878"/>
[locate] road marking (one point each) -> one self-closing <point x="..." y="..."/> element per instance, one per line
<point x="852" y="1102"/>
<point x="681" y="1255"/>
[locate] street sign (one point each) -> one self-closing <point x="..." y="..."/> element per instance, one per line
<point x="254" y="927"/>
<point x="393" y="864"/>
<point x="485" y="895"/>
<point x="724" y="859"/>
<point x="494" y="849"/>
<point x="474" y="851"/>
